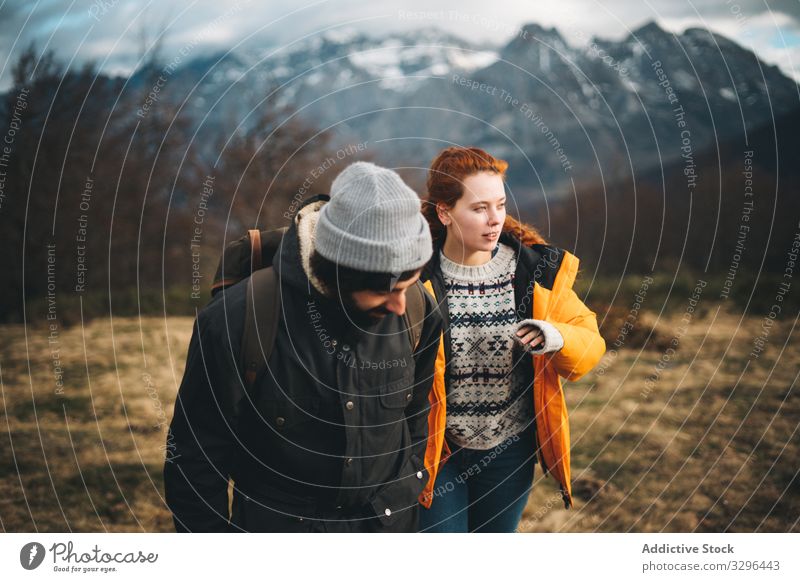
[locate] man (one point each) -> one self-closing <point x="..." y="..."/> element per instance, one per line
<point x="333" y="436"/>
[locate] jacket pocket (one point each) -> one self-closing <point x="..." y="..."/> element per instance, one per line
<point x="398" y="393"/>
<point x="395" y="503"/>
<point x="285" y="413"/>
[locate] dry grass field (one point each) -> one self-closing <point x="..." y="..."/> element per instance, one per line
<point x="703" y="440"/>
<point x="710" y="446"/>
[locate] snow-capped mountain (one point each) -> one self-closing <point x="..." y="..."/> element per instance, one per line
<point x="337" y="60"/>
<point x="554" y="110"/>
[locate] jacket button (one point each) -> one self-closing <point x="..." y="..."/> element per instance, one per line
<point x="387" y="512"/>
<point x="333" y="343"/>
<point x="349" y="405"/>
<point x="280" y="421"/>
<point x="408" y="396"/>
<point x="345" y="347"/>
<point x="419" y="474"/>
<point x="348" y="461"/>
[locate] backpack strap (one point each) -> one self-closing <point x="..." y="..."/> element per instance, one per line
<point x="415" y="314"/>
<point x="241" y="257"/>
<point x="260" y="323"/>
<point x="255" y="249"/>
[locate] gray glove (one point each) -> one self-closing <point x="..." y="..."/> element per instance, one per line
<point x="553" y="341"/>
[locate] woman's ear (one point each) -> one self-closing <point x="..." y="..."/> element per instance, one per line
<point x="443" y="214"/>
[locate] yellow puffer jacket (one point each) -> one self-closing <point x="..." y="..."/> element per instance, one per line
<point x="548" y="274"/>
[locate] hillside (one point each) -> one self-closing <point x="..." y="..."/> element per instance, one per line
<point x="712" y="447"/>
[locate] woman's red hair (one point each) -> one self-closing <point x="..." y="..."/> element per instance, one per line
<point x="445" y="184"/>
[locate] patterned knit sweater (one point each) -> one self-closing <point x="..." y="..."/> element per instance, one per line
<point x="488" y="400"/>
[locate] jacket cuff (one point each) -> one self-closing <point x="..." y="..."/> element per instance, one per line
<point x="401" y="494"/>
<point x="553" y="340"/>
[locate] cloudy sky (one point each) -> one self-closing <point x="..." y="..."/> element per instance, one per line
<point x="115" y="33"/>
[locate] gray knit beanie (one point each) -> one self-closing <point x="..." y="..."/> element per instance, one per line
<point x="373" y="222"/>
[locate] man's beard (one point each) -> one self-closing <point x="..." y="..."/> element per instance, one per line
<point x="360" y="317"/>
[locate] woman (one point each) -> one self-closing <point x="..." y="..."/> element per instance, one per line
<point x="507" y="300"/>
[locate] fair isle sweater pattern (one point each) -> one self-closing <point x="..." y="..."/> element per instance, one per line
<point x="487" y="398"/>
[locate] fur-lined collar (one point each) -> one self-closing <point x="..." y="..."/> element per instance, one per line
<point x="306" y="223"/>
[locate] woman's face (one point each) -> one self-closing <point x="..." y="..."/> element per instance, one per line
<point x="476" y="219"/>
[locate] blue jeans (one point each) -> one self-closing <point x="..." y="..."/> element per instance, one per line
<point x="482" y="491"/>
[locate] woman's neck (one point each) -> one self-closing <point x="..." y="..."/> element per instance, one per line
<point x="458" y="254"/>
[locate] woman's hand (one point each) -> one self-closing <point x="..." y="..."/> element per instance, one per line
<point x="538" y="336"/>
<point x="530" y="336"/>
